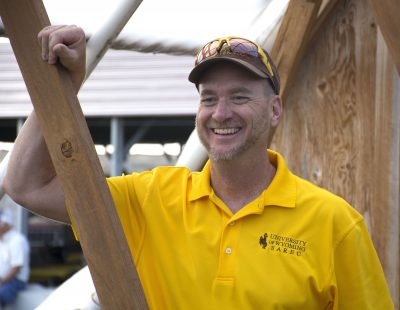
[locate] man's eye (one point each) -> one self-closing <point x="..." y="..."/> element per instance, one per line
<point x="207" y="101"/>
<point x="240" y="99"/>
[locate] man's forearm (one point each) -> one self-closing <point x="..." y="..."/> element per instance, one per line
<point x="12" y="274"/>
<point x="31" y="179"/>
<point x="30" y="166"/>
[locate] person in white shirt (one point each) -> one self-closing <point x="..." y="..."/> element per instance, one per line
<point x="14" y="259"/>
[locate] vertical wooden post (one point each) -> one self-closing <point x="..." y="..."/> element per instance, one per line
<point x="75" y="160"/>
<point x="292" y="38"/>
<point x="387" y="16"/>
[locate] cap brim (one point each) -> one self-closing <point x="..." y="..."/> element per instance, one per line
<point x="197" y="72"/>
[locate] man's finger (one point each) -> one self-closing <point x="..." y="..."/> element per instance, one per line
<point x="68" y="36"/>
<point x="43" y="38"/>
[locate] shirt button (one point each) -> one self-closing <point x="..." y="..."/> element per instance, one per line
<point x="232" y="223"/>
<point x="228" y="251"/>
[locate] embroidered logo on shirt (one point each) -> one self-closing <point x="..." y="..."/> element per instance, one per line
<point x="263" y="241"/>
<point x="282" y="244"/>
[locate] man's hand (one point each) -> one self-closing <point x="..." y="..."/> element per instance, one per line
<point x="11" y="275"/>
<point x="68" y="45"/>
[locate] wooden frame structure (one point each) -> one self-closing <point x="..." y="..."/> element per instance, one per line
<point x="346" y="98"/>
<point x="72" y="151"/>
<point x="361" y="69"/>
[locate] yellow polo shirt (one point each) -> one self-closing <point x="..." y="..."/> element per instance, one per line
<point x="296" y="246"/>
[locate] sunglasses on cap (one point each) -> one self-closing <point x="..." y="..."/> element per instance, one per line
<point x="240" y="50"/>
<point x="236" y="45"/>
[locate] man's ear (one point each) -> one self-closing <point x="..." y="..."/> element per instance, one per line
<point x="276" y="109"/>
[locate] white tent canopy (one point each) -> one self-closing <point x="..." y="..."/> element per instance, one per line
<point x="171" y="27"/>
<point x="175" y="26"/>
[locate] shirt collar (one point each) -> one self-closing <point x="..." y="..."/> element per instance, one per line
<point x="281" y="192"/>
<point x="201" y="183"/>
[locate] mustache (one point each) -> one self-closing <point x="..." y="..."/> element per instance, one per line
<point x="224" y="124"/>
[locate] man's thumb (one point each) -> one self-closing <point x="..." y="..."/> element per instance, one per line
<point x="61" y="51"/>
<point x="66" y="55"/>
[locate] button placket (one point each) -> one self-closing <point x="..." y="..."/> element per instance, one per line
<point x="228" y="250"/>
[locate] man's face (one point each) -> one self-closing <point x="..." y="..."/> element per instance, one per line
<point x="235" y="113"/>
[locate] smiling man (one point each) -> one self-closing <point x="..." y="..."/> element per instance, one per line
<point x="14" y="259"/>
<point x="244" y="233"/>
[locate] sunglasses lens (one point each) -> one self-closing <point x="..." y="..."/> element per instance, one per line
<point x="210" y="49"/>
<point x="244" y="47"/>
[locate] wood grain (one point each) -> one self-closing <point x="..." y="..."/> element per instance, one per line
<point x="74" y="157"/>
<point x="385" y="218"/>
<point x="337" y="129"/>
<point x="327" y="8"/>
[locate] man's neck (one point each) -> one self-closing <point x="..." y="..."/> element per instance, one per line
<point x="238" y="182"/>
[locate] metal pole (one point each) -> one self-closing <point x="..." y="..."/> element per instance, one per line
<point x="117" y="140"/>
<point x="21" y="214"/>
<point x="193" y="155"/>
<point x="101" y="41"/>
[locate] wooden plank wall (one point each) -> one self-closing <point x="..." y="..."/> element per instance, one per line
<point x="341" y="124"/>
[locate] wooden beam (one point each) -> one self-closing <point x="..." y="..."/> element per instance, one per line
<point x="326" y="9"/>
<point x="387" y="16"/>
<point x="383" y="169"/>
<point x="75" y="160"/>
<point x="292" y="38"/>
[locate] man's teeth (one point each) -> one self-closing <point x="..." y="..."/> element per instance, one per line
<point x="225" y="131"/>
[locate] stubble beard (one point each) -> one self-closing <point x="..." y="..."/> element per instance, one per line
<point x="235" y="151"/>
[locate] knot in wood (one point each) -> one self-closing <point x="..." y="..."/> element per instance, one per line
<point x="66" y="149"/>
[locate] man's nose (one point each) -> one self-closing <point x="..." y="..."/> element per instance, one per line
<point x="222" y="111"/>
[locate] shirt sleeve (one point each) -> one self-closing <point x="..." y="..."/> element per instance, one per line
<point x="361" y="283"/>
<point x="128" y="193"/>
<point x="17" y="253"/>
